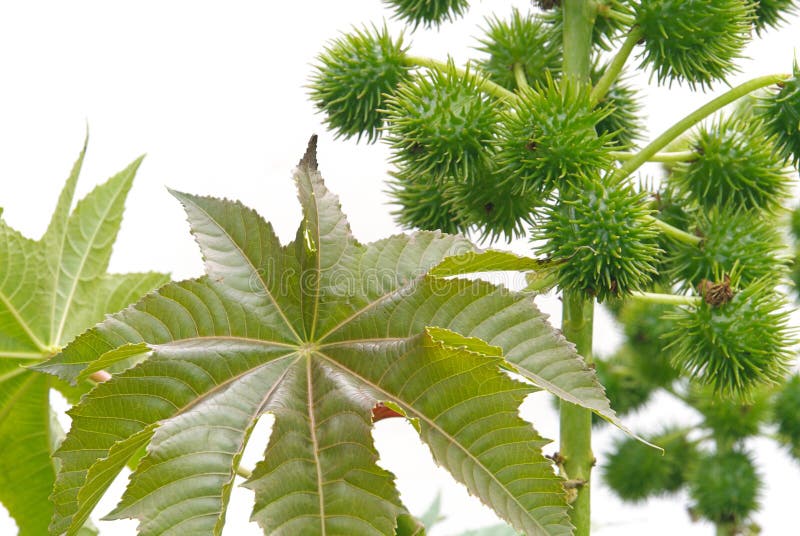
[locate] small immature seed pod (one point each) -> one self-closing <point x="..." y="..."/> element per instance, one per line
<point x="428" y="12"/>
<point x="626" y="390"/>
<point x="694" y="41"/>
<point x="352" y="77"/>
<point x="645" y="326"/>
<point x="730" y="420"/>
<point x="550" y="138"/>
<point x="526" y="40"/>
<point x="725" y="487"/>
<point x="786" y="415"/>
<point x="635" y="471"/>
<point x="601" y="239"/>
<point x="424" y="203"/>
<point x="623" y="124"/>
<point x="734" y="164"/>
<point x="440" y="125"/>
<point x="737" y="346"/>
<point x="781" y="113"/>
<point x="772" y="13"/>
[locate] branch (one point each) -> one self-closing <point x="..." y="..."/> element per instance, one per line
<point x="695" y="117"/>
<point x="666" y="299"/>
<point x="675" y="233"/>
<point x="615" y="67"/>
<point x="519" y="76"/>
<point x="675" y="156"/>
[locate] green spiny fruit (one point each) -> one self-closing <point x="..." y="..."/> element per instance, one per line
<point x="550" y="138"/>
<point x="795" y="223"/>
<point x="635" y="471"/>
<point x="695" y="41"/>
<point x="781" y="112"/>
<point x="626" y="390"/>
<point x="623" y="124"/>
<point x="645" y="327"/>
<point x="526" y="40"/>
<point x="745" y="241"/>
<point x="772" y="13"/>
<point x="424" y="203"/>
<point x="602" y="240"/>
<point x="428" y="12"/>
<point x="352" y="78"/>
<point x="730" y="420"/>
<point x="441" y="125"/>
<point x="735" y="346"/>
<point x="725" y="487"/>
<point x="492" y="208"/>
<point x="735" y="165"/>
<point x="786" y="414"/>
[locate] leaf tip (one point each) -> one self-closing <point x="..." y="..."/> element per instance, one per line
<point x="309" y="159"/>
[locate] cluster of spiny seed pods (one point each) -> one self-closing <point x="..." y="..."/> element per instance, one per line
<point x="509" y="146"/>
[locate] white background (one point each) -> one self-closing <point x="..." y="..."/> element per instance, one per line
<point x="214" y="93"/>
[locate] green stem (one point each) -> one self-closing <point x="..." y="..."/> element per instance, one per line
<point x="615" y="67"/>
<point x="576" y="422"/>
<point x="519" y="76"/>
<point x="575" y="444"/>
<point x="666" y="299"/>
<point x="695" y="117"/>
<point x="675" y="233"/>
<point x="675" y="156"/>
<point x="486" y="85"/>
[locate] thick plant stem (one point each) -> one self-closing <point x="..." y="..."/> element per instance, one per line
<point x="576" y="321"/>
<point x="695" y="117"/>
<point x="576" y="422"/>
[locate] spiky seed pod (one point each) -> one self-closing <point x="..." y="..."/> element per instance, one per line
<point x="428" y="12"/>
<point x="730" y="420"/>
<point x="635" y="471"/>
<point x="602" y="240"/>
<point x="645" y="326"/>
<point x="786" y="415"/>
<point x="526" y="40"/>
<point x="492" y="208"/>
<point x="612" y="19"/>
<point x="550" y="138"/>
<point x="781" y="112"/>
<point x="424" y="203"/>
<point x="735" y="165"/>
<point x="626" y="390"/>
<point x="695" y="41"/>
<point x="623" y="124"/>
<point x="772" y="13"/>
<point x="745" y="241"/>
<point x="353" y="76"/>
<point x="725" y="487"/>
<point x="440" y="124"/>
<point x="737" y="346"/>
<point x="795" y="223"/>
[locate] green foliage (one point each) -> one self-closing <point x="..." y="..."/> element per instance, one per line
<point x="308" y="332"/>
<point x="695" y="41"/>
<point x="50" y="290"/>
<point x="353" y="76"/>
<point x="428" y="12"/>
<point x="781" y="112"/>
<point x="735" y="346"/>
<point x="735" y="165"/>
<point x="440" y="124"/>
<point x="526" y="40"/>
<point x="636" y="472"/>
<point x="601" y="240"/>
<point x="786" y="415"/>
<point x="550" y="139"/>
<point x="725" y="487"/>
<point x="745" y="242"/>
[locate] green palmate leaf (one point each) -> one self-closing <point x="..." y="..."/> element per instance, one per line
<point x="51" y="290"/>
<point x="317" y="333"/>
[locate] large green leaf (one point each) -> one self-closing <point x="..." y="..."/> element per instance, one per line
<point x="51" y="290"/>
<point x="317" y="333"/>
